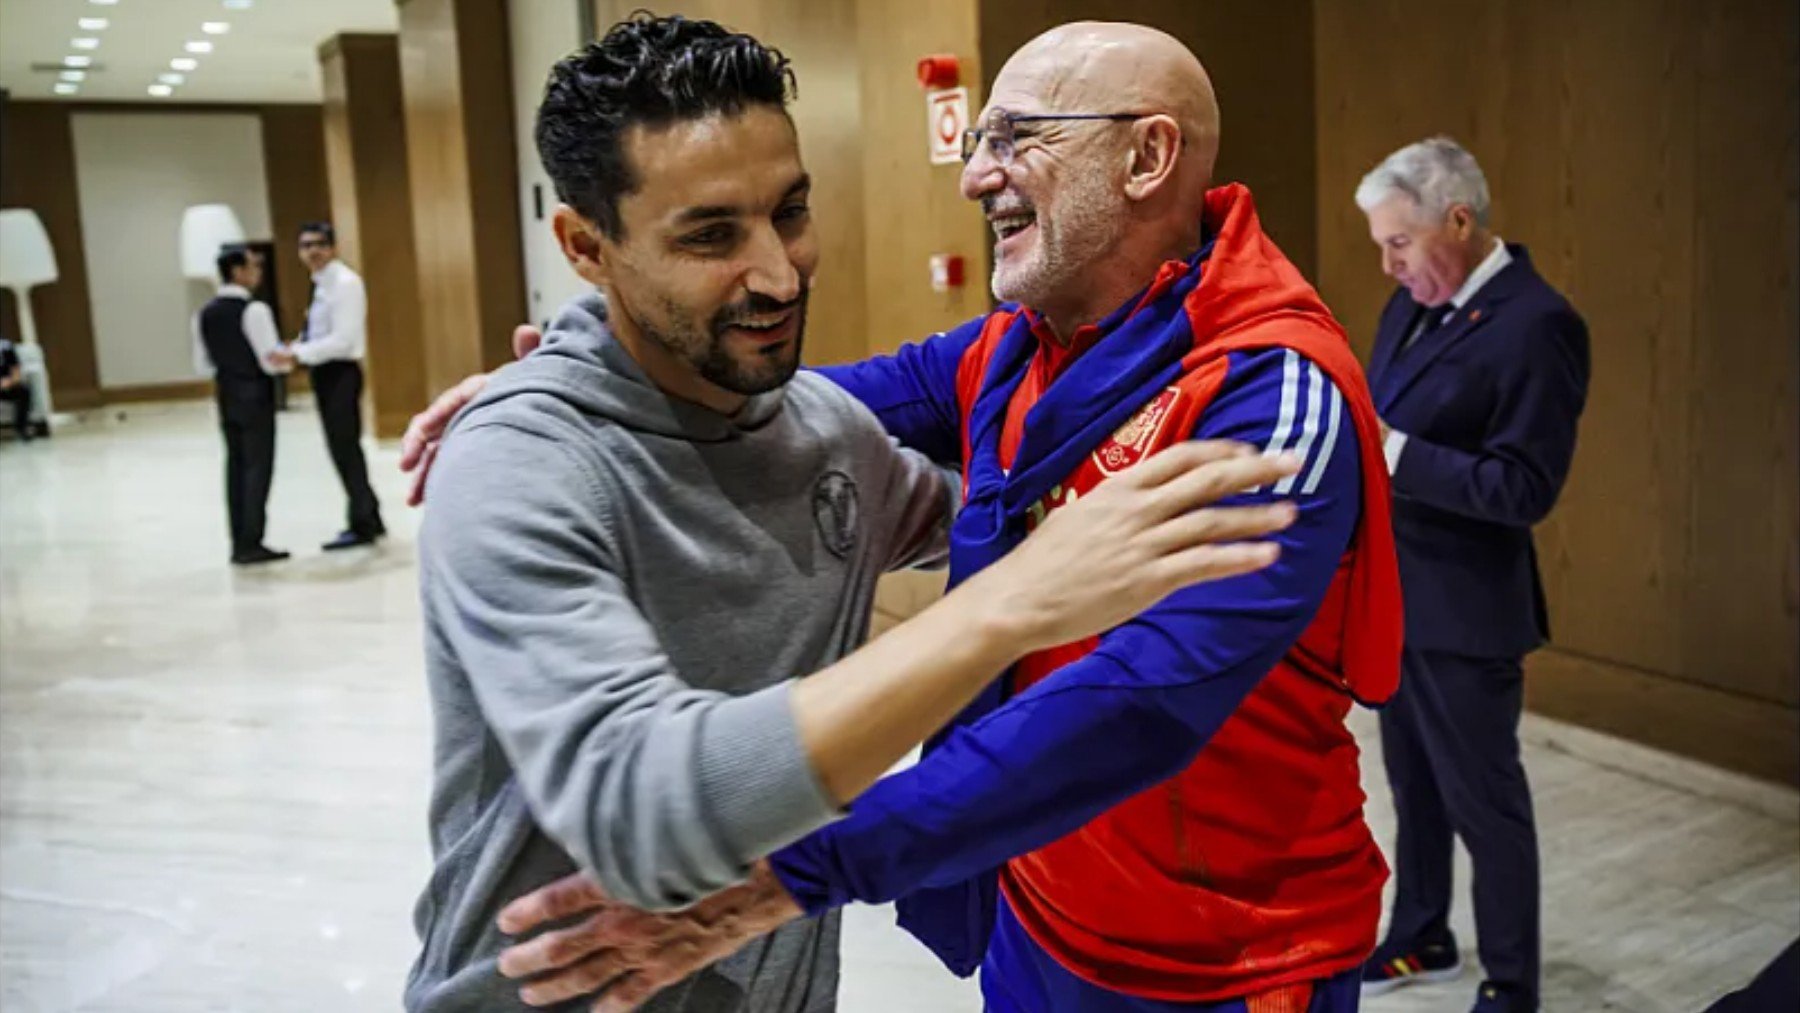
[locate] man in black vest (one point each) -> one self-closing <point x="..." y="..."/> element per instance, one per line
<point x="235" y="341"/>
<point x="331" y="347"/>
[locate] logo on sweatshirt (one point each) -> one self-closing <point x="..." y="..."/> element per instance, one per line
<point x="834" y="509"/>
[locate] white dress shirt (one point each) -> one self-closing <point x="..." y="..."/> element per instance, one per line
<point x="337" y="320"/>
<point x="259" y="330"/>
<point x="1484" y="272"/>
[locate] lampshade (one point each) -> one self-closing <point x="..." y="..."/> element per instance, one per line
<point x="25" y="255"/>
<point x="205" y="228"/>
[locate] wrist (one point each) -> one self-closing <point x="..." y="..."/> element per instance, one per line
<point x="995" y="624"/>
<point x="765" y="904"/>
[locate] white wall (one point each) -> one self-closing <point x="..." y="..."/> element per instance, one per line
<point x="543" y="32"/>
<point x="135" y="175"/>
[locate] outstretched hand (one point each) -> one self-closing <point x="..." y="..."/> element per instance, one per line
<point x="632" y="954"/>
<point x="418" y="448"/>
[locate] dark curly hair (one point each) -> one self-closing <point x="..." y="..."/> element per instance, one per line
<point x="650" y="71"/>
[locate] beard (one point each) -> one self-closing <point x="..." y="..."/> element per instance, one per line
<point x="1079" y="229"/>
<point x="708" y="350"/>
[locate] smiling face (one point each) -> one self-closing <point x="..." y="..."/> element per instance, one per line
<point x="707" y="279"/>
<point x="1059" y="207"/>
<point x="1088" y="202"/>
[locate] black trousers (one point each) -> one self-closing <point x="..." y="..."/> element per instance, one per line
<point x="247" y="421"/>
<point x="337" y="386"/>
<point x="20" y="397"/>
<point x="1450" y="739"/>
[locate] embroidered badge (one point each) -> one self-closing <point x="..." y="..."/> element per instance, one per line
<point x="835" y="512"/>
<point x="1130" y="441"/>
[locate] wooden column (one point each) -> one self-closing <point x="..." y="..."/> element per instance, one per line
<point x="38" y="172"/>
<point x="456" y="61"/>
<point x="372" y="208"/>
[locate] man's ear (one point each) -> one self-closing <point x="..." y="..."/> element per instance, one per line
<point x="1155" y="150"/>
<point x="1462" y="219"/>
<point x="582" y="245"/>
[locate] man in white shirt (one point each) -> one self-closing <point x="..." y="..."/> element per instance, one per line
<point x="236" y="344"/>
<point x="331" y="347"/>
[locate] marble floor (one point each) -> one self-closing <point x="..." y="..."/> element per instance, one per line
<point x="212" y="782"/>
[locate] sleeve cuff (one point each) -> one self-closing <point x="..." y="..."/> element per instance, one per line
<point x="1392" y="448"/>
<point x="755" y="779"/>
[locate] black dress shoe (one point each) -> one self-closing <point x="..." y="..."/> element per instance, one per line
<point x="351" y="540"/>
<point x="258" y="554"/>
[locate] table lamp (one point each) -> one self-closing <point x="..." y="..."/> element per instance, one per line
<point x="26" y="260"/>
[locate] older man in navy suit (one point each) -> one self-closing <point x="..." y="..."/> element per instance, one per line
<point x="1480" y="371"/>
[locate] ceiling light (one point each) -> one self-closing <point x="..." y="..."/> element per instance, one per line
<point x="161" y="90"/>
<point x="198" y="47"/>
<point x="92" y="24"/>
<point x="215" y="27"/>
<point x="172" y="78"/>
<point x="238" y="5"/>
<point x="85" y="42"/>
<point x="78" y="62"/>
<point x="73" y="75"/>
<point x="64" y="88"/>
<point x="183" y="63"/>
<point x="103" y="3"/>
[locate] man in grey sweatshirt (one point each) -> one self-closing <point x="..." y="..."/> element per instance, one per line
<point x="643" y="532"/>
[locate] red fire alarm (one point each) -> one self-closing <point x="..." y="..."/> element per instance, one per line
<point x="946" y="272"/>
<point x="939" y="71"/>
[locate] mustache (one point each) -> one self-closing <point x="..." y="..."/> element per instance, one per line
<point x="755" y="306"/>
<point x="992" y="206"/>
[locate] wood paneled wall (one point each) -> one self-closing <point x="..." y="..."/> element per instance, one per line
<point x="37" y="171"/>
<point x="916" y="209"/>
<point x="1647" y="154"/>
<point x="372" y="208"/>
<point x="456" y="62"/>
<point x="1259" y="54"/>
<point x="293" y="139"/>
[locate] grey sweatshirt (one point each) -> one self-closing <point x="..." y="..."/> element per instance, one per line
<point x="618" y="588"/>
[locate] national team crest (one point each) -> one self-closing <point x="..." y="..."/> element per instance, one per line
<point x="1131" y="441"/>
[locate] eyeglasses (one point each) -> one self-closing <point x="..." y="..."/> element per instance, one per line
<point x="999" y="134"/>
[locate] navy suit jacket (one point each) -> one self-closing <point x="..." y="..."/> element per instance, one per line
<point x="1489" y="402"/>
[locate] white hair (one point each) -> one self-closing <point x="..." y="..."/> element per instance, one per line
<point x="1435" y="174"/>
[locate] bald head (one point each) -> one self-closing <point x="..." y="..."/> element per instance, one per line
<point x="1100" y="146"/>
<point x="1109" y="66"/>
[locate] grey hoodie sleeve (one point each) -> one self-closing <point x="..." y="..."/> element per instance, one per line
<point x="917" y="503"/>
<point x="664" y="792"/>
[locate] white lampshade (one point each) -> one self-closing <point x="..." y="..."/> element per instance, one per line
<point x="205" y="228"/>
<point x="25" y="255"/>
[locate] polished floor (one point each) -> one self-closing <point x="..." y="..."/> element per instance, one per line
<point x="212" y="782"/>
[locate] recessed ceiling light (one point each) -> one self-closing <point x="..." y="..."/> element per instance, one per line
<point x="73" y="75"/>
<point x="103" y="3"/>
<point x="238" y="5"/>
<point x="215" y="27"/>
<point x="198" y="47"/>
<point x="78" y="62"/>
<point x="172" y="78"/>
<point x="85" y="42"/>
<point x="161" y="90"/>
<point x="183" y="63"/>
<point x="92" y="24"/>
<point x="64" y="88"/>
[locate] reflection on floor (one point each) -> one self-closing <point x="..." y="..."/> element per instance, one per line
<point x="212" y="782"/>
